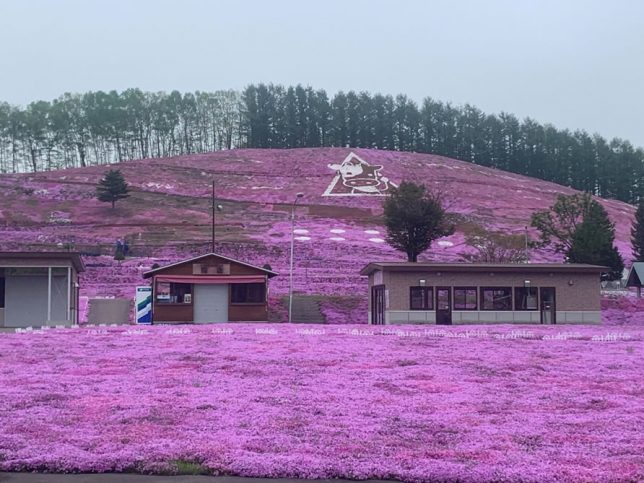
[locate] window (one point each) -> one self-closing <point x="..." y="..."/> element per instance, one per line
<point x="421" y="298"/>
<point x="1" y="292"/>
<point x="465" y="298"/>
<point x="525" y="298"/>
<point x="173" y="293"/>
<point x="211" y="268"/>
<point x="247" y="293"/>
<point x="496" y="298"/>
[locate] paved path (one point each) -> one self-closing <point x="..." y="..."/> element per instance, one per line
<point x="131" y="478"/>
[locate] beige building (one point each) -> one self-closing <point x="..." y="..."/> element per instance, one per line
<point x="39" y="288"/>
<point x="483" y="293"/>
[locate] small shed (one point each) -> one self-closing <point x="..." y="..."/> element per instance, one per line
<point x="209" y="288"/>
<point x="39" y="288"/>
<point x="636" y="277"/>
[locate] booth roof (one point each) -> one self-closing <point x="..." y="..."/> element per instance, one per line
<point x="481" y="267"/>
<point x="74" y="257"/>
<point x="152" y="272"/>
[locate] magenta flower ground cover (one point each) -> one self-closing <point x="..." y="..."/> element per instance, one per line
<point x="468" y="404"/>
<point x="167" y="216"/>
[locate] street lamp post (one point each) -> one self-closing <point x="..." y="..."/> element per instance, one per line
<point x="290" y="289"/>
<point x="215" y="209"/>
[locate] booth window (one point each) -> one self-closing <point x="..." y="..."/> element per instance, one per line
<point x="421" y="298"/>
<point x="248" y="293"/>
<point x="525" y="298"/>
<point x="496" y="298"/>
<point x="465" y="298"/>
<point x="1" y="292"/>
<point x="173" y="293"/>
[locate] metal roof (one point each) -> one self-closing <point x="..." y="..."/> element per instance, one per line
<point x="635" y="275"/>
<point x="481" y="267"/>
<point x="149" y="273"/>
<point x="74" y="257"/>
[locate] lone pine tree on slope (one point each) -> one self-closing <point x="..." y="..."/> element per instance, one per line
<point x="112" y="187"/>
<point x="414" y="218"/>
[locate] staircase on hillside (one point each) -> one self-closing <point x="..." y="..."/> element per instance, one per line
<point x="306" y="310"/>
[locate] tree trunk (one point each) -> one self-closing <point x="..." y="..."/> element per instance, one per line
<point x="34" y="165"/>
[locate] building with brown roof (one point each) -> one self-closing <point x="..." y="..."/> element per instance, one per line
<point x="481" y="293"/>
<point x="209" y="288"/>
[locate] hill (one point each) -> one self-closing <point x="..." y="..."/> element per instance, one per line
<point x="338" y="225"/>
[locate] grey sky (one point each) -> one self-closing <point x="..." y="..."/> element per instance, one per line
<point x="574" y="63"/>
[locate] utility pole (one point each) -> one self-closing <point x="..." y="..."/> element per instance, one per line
<point x="527" y="253"/>
<point x="215" y="209"/>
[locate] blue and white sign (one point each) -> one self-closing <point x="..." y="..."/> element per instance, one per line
<point x="143" y="305"/>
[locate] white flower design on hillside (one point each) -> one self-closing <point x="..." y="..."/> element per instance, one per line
<point x="356" y="177"/>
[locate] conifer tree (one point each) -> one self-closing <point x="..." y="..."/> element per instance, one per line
<point x="414" y="218"/>
<point x="112" y="187"/>
<point x="593" y="243"/>
<point x="637" y="233"/>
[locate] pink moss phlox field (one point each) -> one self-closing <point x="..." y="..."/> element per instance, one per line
<point x="167" y="217"/>
<point x="475" y="404"/>
<point x="623" y="309"/>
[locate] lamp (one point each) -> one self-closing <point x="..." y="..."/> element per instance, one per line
<point x="526" y="283"/>
<point x="422" y="282"/>
<point x="571" y="282"/>
<point x="290" y="287"/>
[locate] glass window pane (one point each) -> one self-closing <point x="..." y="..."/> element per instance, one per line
<point x="525" y="298"/>
<point x="465" y="298"/>
<point x="248" y="293"/>
<point x="429" y="298"/>
<point x="417" y="298"/>
<point x="496" y="298"/>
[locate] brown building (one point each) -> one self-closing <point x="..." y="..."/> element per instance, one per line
<point x="39" y="288"/>
<point x="209" y="288"/>
<point x="482" y="293"/>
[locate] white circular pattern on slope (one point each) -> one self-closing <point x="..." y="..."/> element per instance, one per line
<point x="337" y="230"/>
<point x="300" y="231"/>
<point x="372" y="232"/>
<point x="303" y="238"/>
<point x="336" y="238"/>
<point x="376" y="240"/>
<point x="445" y="243"/>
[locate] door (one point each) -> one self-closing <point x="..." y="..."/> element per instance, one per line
<point x="443" y="306"/>
<point x="210" y="303"/>
<point x="548" y="305"/>
<point x="378" y="304"/>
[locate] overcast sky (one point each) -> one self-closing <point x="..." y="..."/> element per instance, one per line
<point x="574" y="63"/>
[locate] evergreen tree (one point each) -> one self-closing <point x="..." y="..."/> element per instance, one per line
<point x="593" y="243"/>
<point x="414" y="218"/>
<point x="637" y="233"/>
<point x="112" y="187"/>
<point x="558" y="224"/>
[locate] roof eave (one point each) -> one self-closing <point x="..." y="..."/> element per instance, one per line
<point x="150" y="273"/>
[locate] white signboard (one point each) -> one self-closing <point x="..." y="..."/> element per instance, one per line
<point x="143" y="305"/>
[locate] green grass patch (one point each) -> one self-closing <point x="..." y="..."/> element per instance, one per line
<point x="187" y="467"/>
